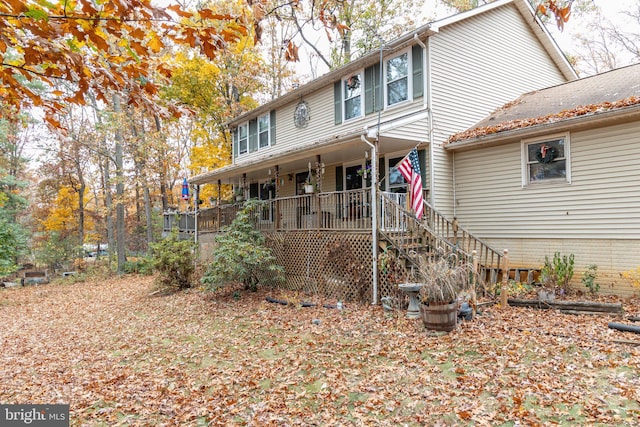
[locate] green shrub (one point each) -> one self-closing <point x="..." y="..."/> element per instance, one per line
<point x="589" y="279"/>
<point x="174" y="260"/>
<point x="142" y="266"/>
<point x="557" y="273"/>
<point x="240" y="254"/>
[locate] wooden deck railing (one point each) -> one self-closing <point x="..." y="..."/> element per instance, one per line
<point x="340" y="210"/>
<point x="348" y="210"/>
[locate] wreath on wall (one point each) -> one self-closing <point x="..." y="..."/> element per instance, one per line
<point x="353" y="82"/>
<point x="546" y="154"/>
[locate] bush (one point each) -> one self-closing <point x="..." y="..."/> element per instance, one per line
<point x="142" y="266"/>
<point x="589" y="279"/>
<point x="557" y="273"/>
<point x="174" y="260"/>
<point x="241" y="255"/>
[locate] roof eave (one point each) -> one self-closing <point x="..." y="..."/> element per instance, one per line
<point x="272" y="160"/>
<point x="605" y="118"/>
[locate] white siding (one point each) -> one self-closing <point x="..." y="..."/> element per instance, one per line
<point x="477" y="66"/>
<point x="596" y="216"/>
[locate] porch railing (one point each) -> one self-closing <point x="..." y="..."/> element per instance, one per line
<point x="340" y="210"/>
<point x="349" y="210"/>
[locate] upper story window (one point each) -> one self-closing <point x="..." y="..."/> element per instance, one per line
<point x="546" y="160"/>
<point x="397" y="79"/>
<point x="372" y="89"/>
<point x="352" y="96"/>
<point x="263" y="131"/>
<point x="254" y="135"/>
<point x="243" y="138"/>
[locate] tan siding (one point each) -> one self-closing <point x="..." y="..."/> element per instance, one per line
<point x="415" y="131"/>
<point x="603" y="200"/>
<point x="597" y="216"/>
<point x="477" y="66"/>
<point x="612" y="257"/>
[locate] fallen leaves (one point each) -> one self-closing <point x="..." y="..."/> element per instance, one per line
<point x="550" y="118"/>
<point x="121" y="357"/>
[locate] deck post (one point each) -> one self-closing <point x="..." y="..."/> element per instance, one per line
<point x="505" y="280"/>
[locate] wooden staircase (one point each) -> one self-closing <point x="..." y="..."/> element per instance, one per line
<point x="434" y="237"/>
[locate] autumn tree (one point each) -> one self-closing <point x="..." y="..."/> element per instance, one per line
<point x="348" y="28"/>
<point x="15" y="130"/>
<point x="215" y="91"/>
<point x="103" y="47"/>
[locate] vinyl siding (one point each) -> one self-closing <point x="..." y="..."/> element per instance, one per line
<point x="321" y="126"/>
<point x="478" y="66"/>
<point x="597" y="216"/>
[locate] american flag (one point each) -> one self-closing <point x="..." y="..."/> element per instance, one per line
<point x="409" y="167"/>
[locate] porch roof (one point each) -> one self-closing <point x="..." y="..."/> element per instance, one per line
<point x="333" y="149"/>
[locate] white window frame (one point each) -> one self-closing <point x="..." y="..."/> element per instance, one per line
<point x="409" y="79"/>
<point x="360" y="74"/>
<point x="244" y="125"/>
<point x="267" y="131"/>
<point x="526" y="162"/>
<point x="387" y="165"/>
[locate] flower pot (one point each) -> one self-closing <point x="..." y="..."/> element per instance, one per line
<point x="239" y="198"/>
<point x="440" y="317"/>
<point x="308" y="188"/>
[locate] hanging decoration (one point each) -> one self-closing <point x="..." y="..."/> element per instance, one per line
<point x="353" y="82"/>
<point x="546" y="153"/>
<point x="185" y="189"/>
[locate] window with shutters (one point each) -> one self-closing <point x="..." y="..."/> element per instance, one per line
<point x="370" y="90"/>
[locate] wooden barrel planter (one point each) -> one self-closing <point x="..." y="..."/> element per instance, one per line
<point x="440" y="317"/>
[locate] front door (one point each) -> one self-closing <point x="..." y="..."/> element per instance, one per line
<point x="267" y="190"/>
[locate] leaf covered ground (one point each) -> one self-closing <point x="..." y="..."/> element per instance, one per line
<point x="120" y="356"/>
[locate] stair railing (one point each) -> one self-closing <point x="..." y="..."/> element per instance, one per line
<point x="438" y="235"/>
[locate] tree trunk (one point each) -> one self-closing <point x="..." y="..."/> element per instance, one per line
<point x="120" y="226"/>
<point x="106" y="184"/>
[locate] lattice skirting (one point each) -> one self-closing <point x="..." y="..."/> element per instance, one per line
<point x="336" y="265"/>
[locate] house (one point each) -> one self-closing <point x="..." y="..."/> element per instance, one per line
<point x="346" y="131"/>
<point x="558" y="169"/>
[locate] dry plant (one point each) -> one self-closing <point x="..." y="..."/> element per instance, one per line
<point x="444" y="279"/>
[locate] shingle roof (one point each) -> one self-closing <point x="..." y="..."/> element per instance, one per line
<point x="588" y="96"/>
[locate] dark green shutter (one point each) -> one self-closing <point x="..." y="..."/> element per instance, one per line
<point x="381" y="172"/>
<point x="369" y="87"/>
<point x="372" y="89"/>
<point x="253" y="190"/>
<point x="272" y="125"/>
<point x="339" y="186"/>
<point x="418" y="75"/>
<point x="337" y="102"/>
<point x="234" y="138"/>
<point x="422" y="159"/>
<point x="253" y="135"/>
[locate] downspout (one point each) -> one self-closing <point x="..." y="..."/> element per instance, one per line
<point x="453" y="178"/>
<point x="374" y="210"/>
<point x="426" y="64"/>
<point x="429" y="101"/>
<point x="196" y="207"/>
